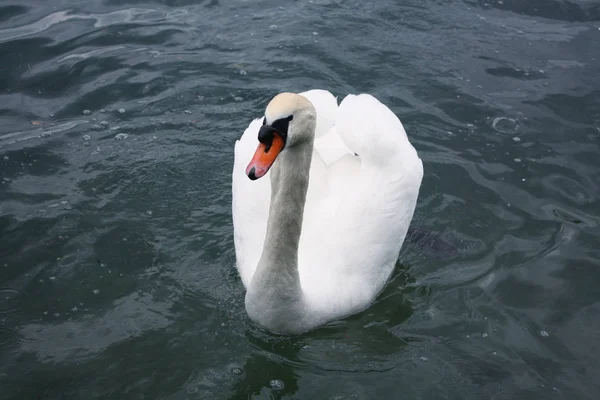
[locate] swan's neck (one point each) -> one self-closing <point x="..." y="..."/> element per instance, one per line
<point x="274" y="298"/>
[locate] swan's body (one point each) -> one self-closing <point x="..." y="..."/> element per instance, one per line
<point x="315" y="247"/>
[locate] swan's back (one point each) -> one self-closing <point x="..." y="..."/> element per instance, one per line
<point x="364" y="184"/>
<point x="354" y="229"/>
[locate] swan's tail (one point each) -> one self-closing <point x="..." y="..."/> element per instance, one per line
<point x="372" y="131"/>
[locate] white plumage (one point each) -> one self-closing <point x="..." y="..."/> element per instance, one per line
<point x="364" y="183"/>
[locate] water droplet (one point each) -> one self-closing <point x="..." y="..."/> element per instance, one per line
<point x="96" y="127"/>
<point x="57" y="314"/>
<point x="121" y="110"/>
<point x="516" y="139"/>
<point x="86" y="112"/>
<point x="5" y="158"/>
<point x="238" y="98"/>
<point x="52" y="278"/>
<point x="121" y="136"/>
<point x="96" y="291"/>
<point x="243" y="72"/>
<point x="494" y="353"/>
<point x="279" y="69"/>
<point x="187" y="112"/>
<point x="484" y="335"/>
<point x="102" y="110"/>
<point x="74" y="309"/>
<point x="149" y="212"/>
<point x="273" y="27"/>
<point x="86" y="137"/>
<point x="45" y="134"/>
<point x="237" y="371"/>
<point x="315" y="33"/>
<point x="544" y="333"/>
<point x="505" y="125"/>
<point x="104" y="123"/>
<point x="276" y="384"/>
<point x="517" y="160"/>
<point x="423" y="358"/>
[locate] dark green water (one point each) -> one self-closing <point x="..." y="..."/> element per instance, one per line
<point x="117" y="276"/>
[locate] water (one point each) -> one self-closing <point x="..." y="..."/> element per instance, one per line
<point x="117" y="125"/>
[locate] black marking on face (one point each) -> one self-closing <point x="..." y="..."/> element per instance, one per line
<point x="279" y="126"/>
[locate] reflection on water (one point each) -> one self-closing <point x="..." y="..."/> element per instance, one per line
<point x="117" y="125"/>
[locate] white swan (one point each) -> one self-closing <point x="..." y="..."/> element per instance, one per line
<point x="319" y="239"/>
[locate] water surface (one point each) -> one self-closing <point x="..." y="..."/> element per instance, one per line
<point x="117" y="126"/>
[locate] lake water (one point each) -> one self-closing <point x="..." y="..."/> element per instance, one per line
<point x="117" y="126"/>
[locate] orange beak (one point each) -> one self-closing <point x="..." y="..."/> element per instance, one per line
<point x="264" y="157"/>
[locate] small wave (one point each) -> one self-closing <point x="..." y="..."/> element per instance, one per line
<point x="101" y="20"/>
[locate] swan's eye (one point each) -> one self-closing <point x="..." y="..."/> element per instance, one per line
<point x="291" y="117"/>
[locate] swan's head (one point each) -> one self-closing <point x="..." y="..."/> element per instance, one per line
<point x="289" y="121"/>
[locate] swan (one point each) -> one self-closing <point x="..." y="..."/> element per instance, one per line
<point x="322" y="198"/>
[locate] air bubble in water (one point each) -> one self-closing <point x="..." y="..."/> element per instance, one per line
<point x="505" y="125"/>
<point x="86" y="112"/>
<point x="544" y="333"/>
<point x="86" y="137"/>
<point x="424" y="359"/>
<point x="96" y="291"/>
<point x="121" y="136"/>
<point x="121" y="110"/>
<point x="276" y="384"/>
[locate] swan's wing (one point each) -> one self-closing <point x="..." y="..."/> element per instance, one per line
<point x="328" y="144"/>
<point x="250" y="205"/>
<point x="351" y="239"/>
<point x="326" y="107"/>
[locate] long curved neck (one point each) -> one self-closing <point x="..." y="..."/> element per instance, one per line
<point x="274" y="298"/>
